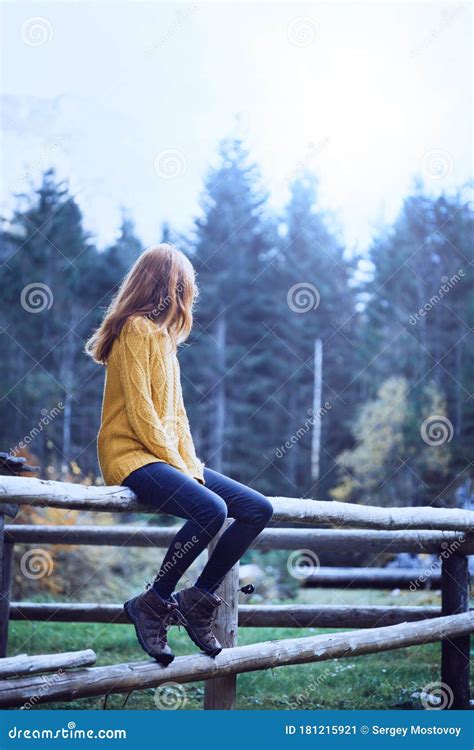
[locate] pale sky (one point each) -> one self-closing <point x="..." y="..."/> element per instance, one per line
<point x="114" y="95"/>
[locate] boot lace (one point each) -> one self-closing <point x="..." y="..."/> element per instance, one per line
<point x="165" y="622"/>
<point x="212" y="619"/>
<point x="171" y="617"/>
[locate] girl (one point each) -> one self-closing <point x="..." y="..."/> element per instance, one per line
<point x="145" y="443"/>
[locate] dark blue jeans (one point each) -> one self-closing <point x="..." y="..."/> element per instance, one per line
<point x="205" y="508"/>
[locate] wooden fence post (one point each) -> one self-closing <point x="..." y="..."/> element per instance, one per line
<point x="6" y="557"/>
<point x="455" y="651"/>
<point x="10" y="465"/>
<point x="220" y="693"/>
<point x="4" y="608"/>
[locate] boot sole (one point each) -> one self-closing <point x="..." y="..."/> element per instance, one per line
<point x="129" y="608"/>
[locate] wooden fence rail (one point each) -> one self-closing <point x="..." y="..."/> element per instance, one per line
<point x="122" y="678"/>
<point x="322" y="540"/>
<point x="374" y="578"/>
<point x="446" y="532"/>
<point x="23" y="664"/>
<point x="260" y="616"/>
<point x="42" y="492"/>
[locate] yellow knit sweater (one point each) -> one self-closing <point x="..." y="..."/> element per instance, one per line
<point x="143" y="416"/>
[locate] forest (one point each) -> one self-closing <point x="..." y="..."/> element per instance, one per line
<point x="391" y="325"/>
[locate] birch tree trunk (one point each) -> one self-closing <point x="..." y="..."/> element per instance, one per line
<point x="292" y="454"/>
<point x="318" y="378"/>
<point x="217" y="438"/>
<point x="67" y="377"/>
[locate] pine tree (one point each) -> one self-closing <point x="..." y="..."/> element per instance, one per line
<point x="231" y="241"/>
<point x="418" y="317"/>
<point x="315" y="301"/>
<point x="43" y="283"/>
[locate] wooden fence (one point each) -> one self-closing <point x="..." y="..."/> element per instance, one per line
<point x="446" y="532"/>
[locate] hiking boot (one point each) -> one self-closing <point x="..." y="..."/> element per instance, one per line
<point x="198" y="610"/>
<point x="152" y="617"/>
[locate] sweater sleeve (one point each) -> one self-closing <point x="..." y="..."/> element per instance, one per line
<point x="186" y="444"/>
<point x="134" y="349"/>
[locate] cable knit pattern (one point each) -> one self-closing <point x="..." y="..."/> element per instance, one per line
<point x="143" y="415"/>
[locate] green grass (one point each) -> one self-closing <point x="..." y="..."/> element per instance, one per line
<point x="378" y="681"/>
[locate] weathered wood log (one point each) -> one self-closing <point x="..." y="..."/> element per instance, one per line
<point x="11" y="464"/>
<point x="123" y="678"/>
<point x="259" y="616"/>
<point x="374" y="578"/>
<point x="220" y="694"/>
<point x="4" y="619"/>
<point x="42" y="492"/>
<point x="319" y="540"/>
<point x="6" y="557"/>
<point x="49" y="493"/>
<point x="70" y="612"/>
<point x="24" y="664"/>
<point x="330" y="615"/>
<point x="455" y="652"/>
<point x="365" y="516"/>
<point x="366" y="540"/>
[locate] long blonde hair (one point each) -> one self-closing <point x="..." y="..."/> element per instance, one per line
<point x="161" y="286"/>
